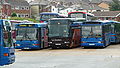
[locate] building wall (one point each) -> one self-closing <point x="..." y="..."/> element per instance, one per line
<point x="21" y="11"/>
<point x="34" y="10"/>
<point x="6" y="10"/>
<point x="0" y="11"/>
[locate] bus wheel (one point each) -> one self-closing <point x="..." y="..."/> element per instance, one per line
<point x="53" y="47"/>
<point x="86" y="47"/>
<point x="103" y="46"/>
<point x="72" y="44"/>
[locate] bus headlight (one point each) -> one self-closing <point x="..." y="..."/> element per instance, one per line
<point x="17" y="45"/>
<point x="66" y="42"/>
<point x="50" y="42"/>
<point x="83" y="42"/>
<point x="100" y="42"/>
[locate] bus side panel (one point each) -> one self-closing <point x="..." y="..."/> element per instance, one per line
<point x="5" y="59"/>
<point x="106" y="35"/>
<point x="44" y="38"/>
<point x="107" y="39"/>
<point x="75" y="38"/>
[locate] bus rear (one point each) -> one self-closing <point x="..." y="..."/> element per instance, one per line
<point x="95" y="34"/>
<point x="7" y="51"/>
<point x="31" y="36"/>
<point x="78" y="14"/>
<point x="61" y="34"/>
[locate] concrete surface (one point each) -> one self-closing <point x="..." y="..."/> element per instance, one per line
<point x="68" y="58"/>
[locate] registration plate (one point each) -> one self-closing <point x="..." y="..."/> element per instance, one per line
<point x="91" y="44"/>
<point x="26" y="48"/>
<point x="57" y="44"/>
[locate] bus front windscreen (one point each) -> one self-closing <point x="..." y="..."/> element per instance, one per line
<point x="91" y="31"/>
<point x="58" y="30"/>
<point x="26" y="34"/>
<point x="77" y="15"/>
<point x="47" y="17"/>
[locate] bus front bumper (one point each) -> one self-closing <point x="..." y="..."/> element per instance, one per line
<point x="27" y="47"/>
<point x="92" y="44"/>
<point x="59" y="45"/>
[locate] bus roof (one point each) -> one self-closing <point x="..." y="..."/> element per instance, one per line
<point x="68" y="19"/>
<point x="81" y="12"/>
<point x="4" y="20"/>
<point x="15" y="21"/>
<point x="96" y="22"/>
<point x="50" y="13"/>
<point x="77" y="12"/>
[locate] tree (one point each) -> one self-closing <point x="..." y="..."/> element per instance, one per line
<point x="115" y="5"/>
<point x="14" y="15"/>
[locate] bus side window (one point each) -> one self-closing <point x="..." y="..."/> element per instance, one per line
<point x="7" y="38"/>
<point x="7" y="25"/>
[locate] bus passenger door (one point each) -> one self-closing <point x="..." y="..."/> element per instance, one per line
<point x="40" y="34"/>
<point x="45" y="37"/>
<point x="42" y="37"/>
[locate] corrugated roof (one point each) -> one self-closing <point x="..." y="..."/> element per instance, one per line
<point x="107" y="14"/>
<point x="18" y="2"/>
<point x="89" y="6"/>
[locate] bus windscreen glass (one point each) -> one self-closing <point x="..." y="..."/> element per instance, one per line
<point x="91" y="31"/>
<point x="26" y="34"/>
<point x="47" y="17"/>
<point x="56" y="28"/>
<point x="77" y="15"/>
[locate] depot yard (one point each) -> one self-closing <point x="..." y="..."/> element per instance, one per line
<point x="68" y="58"/>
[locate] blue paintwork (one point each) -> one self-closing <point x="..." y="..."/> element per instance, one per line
<point x="89" y="41"/>
<point x="5" y="60"/>
<point x="113" y="38"/>
<point x="28" y="44"/>
<point x="76" y="24"/>
<point x="48" y="13"/>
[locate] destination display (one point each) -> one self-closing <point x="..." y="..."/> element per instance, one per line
<point x="26" y="25"/>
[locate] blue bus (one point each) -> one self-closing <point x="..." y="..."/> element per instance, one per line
<point x="31" y="36"/>
<point x="7" y="51"/>
<point x="95" y="34"/>
<point x="45" y="16"/>
<point x="115" y="34"/>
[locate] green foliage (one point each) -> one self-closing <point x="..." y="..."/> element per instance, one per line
<point x="14" y="15"/>
<point x="115" y="5"/>
<point x="19" y="18"/>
